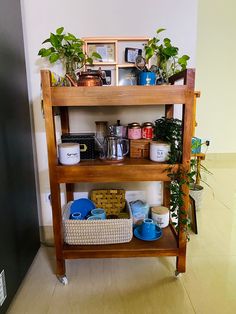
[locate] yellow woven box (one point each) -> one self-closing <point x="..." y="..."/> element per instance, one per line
<point x="112" y="201"/>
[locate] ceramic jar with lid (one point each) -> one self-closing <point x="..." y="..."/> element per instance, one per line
<point x="160" y="215"/>
<point x="159" y="151"/>
<point x="134" y="131"/>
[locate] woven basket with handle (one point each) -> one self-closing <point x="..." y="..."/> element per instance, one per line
<point x="112" y="201"/>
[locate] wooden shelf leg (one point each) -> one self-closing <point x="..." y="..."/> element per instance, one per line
<point x="69" y="192"/>
<point x="57" y="229"/>
<point x="181" y="263"/>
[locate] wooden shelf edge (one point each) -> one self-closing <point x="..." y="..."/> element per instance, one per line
<point x="128" y="171"/>
<point x="119" y="95"/>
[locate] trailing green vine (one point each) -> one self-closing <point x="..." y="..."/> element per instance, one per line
<point x="170" y="131"/>
<point x="179" y="178"/>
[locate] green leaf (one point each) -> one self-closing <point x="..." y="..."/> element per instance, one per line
<point x="167" y="42"/>
<point x="54" y="57"/>
<point x="45" y="52"/>
<point x="46" y="41"/>
<point x="96" y="55"/>
<point x="149" y="52"/>
<point x="60" y="30"/>
<point x="160" y="30"/>
<point x="89" y="60"/>
<point x="41" y="52"/>
<point x="72" y="36"/>
<point x="54" y="40"/>
<point x="171" y="51"/>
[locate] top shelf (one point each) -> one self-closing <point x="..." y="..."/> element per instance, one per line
<point x="119" y="95"/>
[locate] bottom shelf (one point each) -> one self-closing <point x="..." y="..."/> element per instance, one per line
<point x="165" y="246"/>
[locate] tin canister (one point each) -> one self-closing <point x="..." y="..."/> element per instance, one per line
<point x="147" y="130"/>
<point x="134" y="131"/>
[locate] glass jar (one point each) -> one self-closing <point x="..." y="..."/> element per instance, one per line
<point x="134" y="131"/>
<point x="147" y="130"/>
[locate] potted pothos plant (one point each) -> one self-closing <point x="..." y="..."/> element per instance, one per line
<point x="167" y="59"/>
<point x="196" y="186"/>
<point x="68" y="49"/>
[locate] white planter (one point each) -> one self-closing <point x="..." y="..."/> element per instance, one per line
<point x="197" y="195"/>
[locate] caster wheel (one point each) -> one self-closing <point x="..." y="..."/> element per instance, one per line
<point x="177" y="274"/>
<point x="63" y="280"/>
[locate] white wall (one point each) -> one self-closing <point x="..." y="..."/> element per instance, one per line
<point x="216" y="68"/>
<point x="98" y="18"/>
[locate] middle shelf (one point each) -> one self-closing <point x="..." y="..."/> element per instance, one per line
<point x="126" y="171"/>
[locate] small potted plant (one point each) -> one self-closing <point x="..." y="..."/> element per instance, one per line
<point x="196" y="188"/>
<point x="167" y="60"/>
<point x="68" y="49"/>
<point x="169" y="132"/>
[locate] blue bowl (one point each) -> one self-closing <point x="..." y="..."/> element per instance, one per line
<point x="82" y="205"/>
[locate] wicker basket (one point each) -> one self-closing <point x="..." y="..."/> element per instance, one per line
<point x="108" y="231"/>
<point x="112" y="201"/>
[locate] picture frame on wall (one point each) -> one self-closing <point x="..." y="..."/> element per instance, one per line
<point x="107" y="51"/>
<point x="127" y="76"/>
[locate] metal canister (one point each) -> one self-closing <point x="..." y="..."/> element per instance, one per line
<point x="134" y="131"/>
<point x="147" y="130"/>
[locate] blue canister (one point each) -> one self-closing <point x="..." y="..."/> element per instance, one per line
<point x="147" y="78"/>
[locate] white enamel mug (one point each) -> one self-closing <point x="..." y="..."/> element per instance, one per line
<point x="69" y="153"/>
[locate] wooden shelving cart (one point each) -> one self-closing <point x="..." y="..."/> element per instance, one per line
<point x="172" y="243"/>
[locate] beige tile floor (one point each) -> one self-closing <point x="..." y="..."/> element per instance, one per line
<point x="147" y="285"/>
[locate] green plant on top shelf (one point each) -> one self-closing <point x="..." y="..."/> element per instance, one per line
<point x="68" y="49"/>
<point x="168" y="62"/>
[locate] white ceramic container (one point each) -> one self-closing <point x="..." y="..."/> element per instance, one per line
<point x="69" y="153"/>
<point x="160" y="215"/>
<point x="159" y="151"/>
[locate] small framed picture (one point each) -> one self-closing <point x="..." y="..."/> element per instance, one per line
<point x="127" y="76"/>
<point x="106" y="50"/>
<point x="131" y="54"/>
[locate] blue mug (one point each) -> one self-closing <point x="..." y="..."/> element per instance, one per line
<point x="94" y="218"/>
<point x="148" y="228"/>
<point x="99" y="212"/>
<point x="147" y="78"/>
<point x="76" y="216"/>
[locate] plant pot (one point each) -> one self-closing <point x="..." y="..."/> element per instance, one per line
<point x="147" y="78"/>
<point x="196" y="191"/>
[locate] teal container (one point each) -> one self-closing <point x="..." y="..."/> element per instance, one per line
<point x="196" y="145"/>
